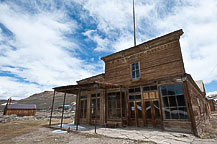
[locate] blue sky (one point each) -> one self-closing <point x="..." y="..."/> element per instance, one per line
<point x="49" y="43"/>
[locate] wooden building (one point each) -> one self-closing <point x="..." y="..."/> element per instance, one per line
<point x="143" y="86"/>
<point x="19" y="109"/>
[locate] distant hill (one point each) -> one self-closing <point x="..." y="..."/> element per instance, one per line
<point x="43" y="100"/>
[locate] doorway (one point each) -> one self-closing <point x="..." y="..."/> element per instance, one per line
<point x="152" y="113"/>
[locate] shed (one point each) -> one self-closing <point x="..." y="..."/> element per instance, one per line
<point x="20" y="109"/>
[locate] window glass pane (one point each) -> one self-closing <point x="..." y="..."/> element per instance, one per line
<point x="179" y="90"/>
<point x="85" y="108"/>
<point x="137" y="89"/>
<point x="181" y="100"/>
<point x="137" y="65"/>
<point x="148" y="110"/>
<point x="172" y="101"/>
<point x="146" y="88"/>
<point x="163" y="90"/>
<point x="133" y="74"/>
<point x="133" y="67"/>
<point x="157" y="110"/>
<point x="139" y="109"/>
<point x="165" y="102"/>
<point x="153" y="88"/>
<point x="132" y="110"/>
<point x="138" y="97"/>
<point x="183" y="113"/>
<point x="167" y="113"/>
<point x="137" y="74"/>
<point x="174" y="113"/>
<point x="131" y="90"/>
<point x="131" y="97"/>
<point x="171" y="89"/>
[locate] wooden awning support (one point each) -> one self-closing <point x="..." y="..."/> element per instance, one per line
<point x="52" y="107"/>
<point x="64" y="99"/>
<point x="76" y="89"/>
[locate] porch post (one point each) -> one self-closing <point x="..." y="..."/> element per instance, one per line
<point x="77" y="107"/>
<point x="96" y="106"/>
<point x="52" y="107"/>
<point x="63" y="109"/>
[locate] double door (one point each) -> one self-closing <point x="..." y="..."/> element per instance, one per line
<point x="145" y="113"/>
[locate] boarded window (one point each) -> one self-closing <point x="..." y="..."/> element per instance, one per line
<point x="135" y="70"/>
<point x="173" y="102"/>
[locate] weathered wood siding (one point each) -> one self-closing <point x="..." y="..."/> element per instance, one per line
<point x="21" y="112"/>
<point x="158" y="58"/>
<point x="89" y="119"/>
<point x="200" y="107"/>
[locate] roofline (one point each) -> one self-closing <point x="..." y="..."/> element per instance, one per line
<point x="177" y="33"/>
<point x="90" y="77"/>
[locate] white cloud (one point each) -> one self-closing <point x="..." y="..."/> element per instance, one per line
<point x="9" y="87"/>
<point x="42" y="51"/>
<point x="197" y="18"/>
<point x="46" y="56"/>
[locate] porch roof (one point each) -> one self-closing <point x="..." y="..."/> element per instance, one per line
<point x="73" y="89"/>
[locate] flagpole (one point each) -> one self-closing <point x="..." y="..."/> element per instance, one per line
<point x="134" y="23"/>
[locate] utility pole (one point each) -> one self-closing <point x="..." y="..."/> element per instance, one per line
<point x="134" y="23"/>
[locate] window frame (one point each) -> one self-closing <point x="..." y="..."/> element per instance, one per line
<point x="167" y="110"/>
<point x="93" y="110"/>
<point x="134" y="71"/>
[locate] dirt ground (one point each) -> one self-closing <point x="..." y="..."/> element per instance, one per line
<point x="26" y="132"/>
<point x="35" y="130"/>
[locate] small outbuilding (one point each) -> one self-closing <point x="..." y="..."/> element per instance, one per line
<point x="20" y="109"/>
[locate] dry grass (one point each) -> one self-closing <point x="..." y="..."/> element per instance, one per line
<point x="13" y="129"/>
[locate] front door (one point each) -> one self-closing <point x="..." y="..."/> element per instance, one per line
<point x="136" y="117"/>
<point x="152" y="113"/>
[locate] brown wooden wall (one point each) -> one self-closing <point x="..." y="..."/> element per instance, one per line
<point x="158" y="59"/>
<point x="200" y="106"/>
<point x="212" y="105"/>
<point x="21" y="112"/>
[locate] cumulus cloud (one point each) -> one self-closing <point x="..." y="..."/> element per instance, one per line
<point x="38" y="42"/>
<point x="198" y="19"/>
<point x="38" y="51"/>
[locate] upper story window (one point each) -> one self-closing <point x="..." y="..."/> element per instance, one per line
<point x="135" y="70"/>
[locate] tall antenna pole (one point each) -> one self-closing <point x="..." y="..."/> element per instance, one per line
<point x="134" y="23"/>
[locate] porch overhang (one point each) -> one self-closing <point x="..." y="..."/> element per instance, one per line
<point x="73" y="89"/>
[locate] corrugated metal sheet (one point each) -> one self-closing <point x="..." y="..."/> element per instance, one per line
<point x="22" y="106"/>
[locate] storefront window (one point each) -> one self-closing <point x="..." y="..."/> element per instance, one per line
<point x="173" y="102"/>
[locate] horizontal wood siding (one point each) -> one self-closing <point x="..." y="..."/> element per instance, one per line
<point x="156" y="62"/>
<point x="178" y="126"/>
<point x="21" y="112"/>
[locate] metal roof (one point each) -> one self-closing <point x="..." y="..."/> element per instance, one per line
<point x="22" y="106"/>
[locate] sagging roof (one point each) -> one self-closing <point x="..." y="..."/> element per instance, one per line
<point x="146" y="45"/>
<point x="22" y="106"/>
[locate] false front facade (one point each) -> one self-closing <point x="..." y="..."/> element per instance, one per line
<point x="143" y="86"/>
